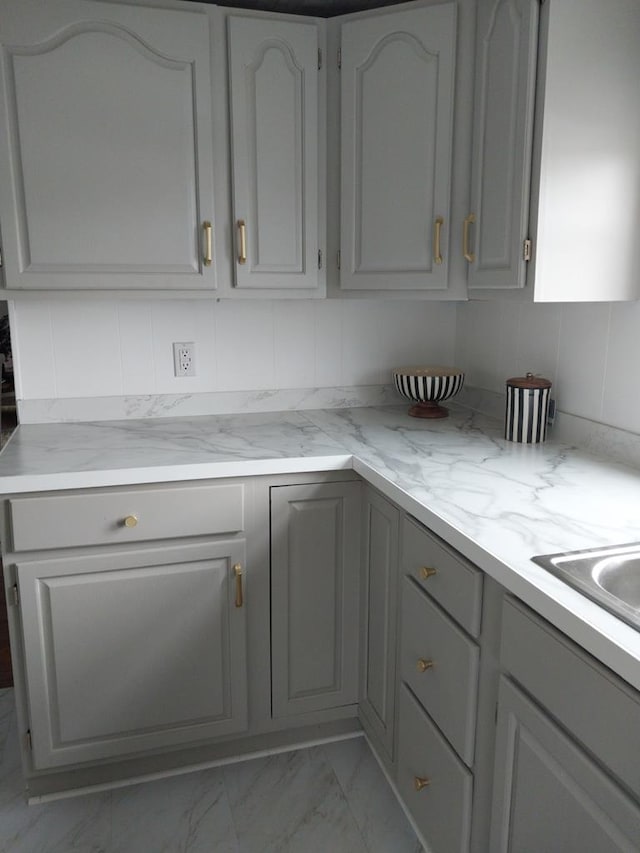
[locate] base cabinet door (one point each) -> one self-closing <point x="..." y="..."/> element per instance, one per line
<point x="315" y="572"/>
<point x="133" y="651"/>
<point x="380" y="594"/>
<point x="548" y="793"/>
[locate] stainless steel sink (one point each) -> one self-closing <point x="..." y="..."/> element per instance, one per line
<point x="610" y="576"/>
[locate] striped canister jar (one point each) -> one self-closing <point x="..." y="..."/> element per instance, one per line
<point x="527" y="409"/>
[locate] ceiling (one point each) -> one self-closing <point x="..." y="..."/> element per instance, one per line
<point x="320" y="8"/>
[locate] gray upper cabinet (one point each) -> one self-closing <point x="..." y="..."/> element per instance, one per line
<point x="398" y="73"/>
<point x="106" y="147"/>
<point x="132" y="651"/>
<point x="496" y="228"/>
<point x="315" y="582"/>
<point x="274" y="98"/>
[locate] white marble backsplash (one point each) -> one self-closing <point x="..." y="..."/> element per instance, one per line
<point x="64" y="410"/>
<point x="619" y="445"/>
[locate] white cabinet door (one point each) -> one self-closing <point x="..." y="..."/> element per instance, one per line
<point x="131" y="651"/>
<point x="549" y="795"/>
<point x="397" y="84"/>
<point x="498" y="222"/>
<point x="273" y="71"/>
<point x="106" y="158"/>
<point x="588" y="178"/>
<point x="315" y="574"/>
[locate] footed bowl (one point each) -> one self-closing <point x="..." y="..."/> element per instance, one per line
<point x="426" y="387"/>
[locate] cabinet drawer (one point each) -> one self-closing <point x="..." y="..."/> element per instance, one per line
<point x="590" y="701"/>
<point x="441" y="809"/>
<point x="102" y="517"/>
<point x="440" y="665"/>
<point x="455" y="584"/>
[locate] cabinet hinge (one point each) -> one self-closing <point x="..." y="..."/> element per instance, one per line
<point x="339" y="57"/>
<point x="15" y="598"/>
<point x="319" y="259"/>
<point x="338" y="258"/>
<point x="526" y="250"/>
<point x="319" y="58"/>
<point x="27" y="740"/>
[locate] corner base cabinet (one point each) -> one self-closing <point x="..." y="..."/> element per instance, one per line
<point x="315" y="582"/>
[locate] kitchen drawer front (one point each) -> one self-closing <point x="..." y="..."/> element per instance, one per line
<point x="591" y="702"/>
<point x="455" y="584"/>
<point x="440" y="665"/>
<point x="441" y="809"/>
<point x="99" y="518"/>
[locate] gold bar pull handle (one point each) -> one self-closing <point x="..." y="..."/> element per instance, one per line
<point x="242" y="241"/>
<point x="437" y="232"/>
<point x="420" y="782"/>
<point x="237" y="570"/>
<point x="468" y="222"/>
<point x="208" y="251"/>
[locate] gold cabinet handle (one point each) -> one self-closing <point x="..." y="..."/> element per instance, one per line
<point x="208" y="251"/>
<point x="423" y="665"/>
<point x="437" y="231"/>
<point x="427" y="572"/>
<point x="420" y="782"/>
<point x="130" y="521"/>
<point x="242" y="240"/>
<point x="237" y="570"/>
<point x="468" y="222"/>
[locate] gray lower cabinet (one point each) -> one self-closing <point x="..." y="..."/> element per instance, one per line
<point x="434" y="784"/>
<point x="566" y="773"/>
<point x="379" y="601"/>
<point x="133" y="650"/>
<point x="549" y="793"/>
<point x="315" y="580"/>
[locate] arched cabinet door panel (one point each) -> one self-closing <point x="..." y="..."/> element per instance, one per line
<point x="273" y="77"/>
<point x="506" y="53"/>
<point x="106" y="155"/>
<point x="397" y="81"/>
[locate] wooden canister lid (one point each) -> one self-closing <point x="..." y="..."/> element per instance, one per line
<point x="529" y="381"/>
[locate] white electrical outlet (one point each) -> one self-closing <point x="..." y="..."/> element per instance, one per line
<point x="184" y="359"/>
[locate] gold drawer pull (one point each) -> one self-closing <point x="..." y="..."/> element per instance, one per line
<point x="237" y="570"/>
<point x="427" y="572"/>
<point x="420" y="782"/>
<point x="208" y="251"/>
<point x="423" y="665"/>
<point x="130" y="521"/>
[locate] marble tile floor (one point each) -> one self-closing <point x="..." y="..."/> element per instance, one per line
<point x="327" y="799"/>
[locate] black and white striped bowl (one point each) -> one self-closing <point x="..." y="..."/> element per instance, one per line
<point x="426" y="387"/>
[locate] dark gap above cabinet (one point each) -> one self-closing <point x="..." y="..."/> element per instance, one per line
<point x="318" y="8"/>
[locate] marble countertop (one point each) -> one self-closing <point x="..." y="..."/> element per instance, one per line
<point x="497" y="502"/>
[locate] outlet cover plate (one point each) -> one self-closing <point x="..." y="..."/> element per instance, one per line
<point x="184" y="359"/>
